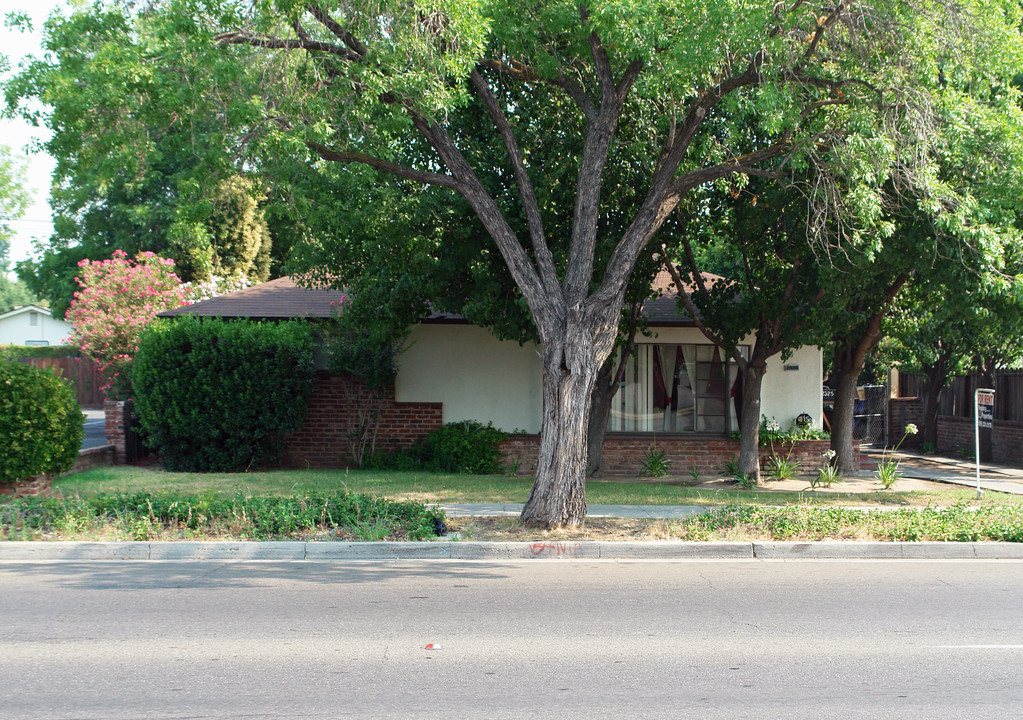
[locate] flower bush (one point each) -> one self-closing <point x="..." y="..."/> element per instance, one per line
<point x="118" y="297"/>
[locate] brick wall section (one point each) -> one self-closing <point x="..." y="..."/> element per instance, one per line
<point x="955" y="433"/>
<point x="624" y="452"/>
<point x="321" y="441"/>
<point x="93" y="457"/>
<point x="114" y="415"/>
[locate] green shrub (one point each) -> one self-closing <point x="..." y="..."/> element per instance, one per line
<point x="13" y="352"/>
<point x="655" y="463"/>
<point x="459" y="447"/>
<point x="462" y="447"/>
<point x="41" y="425"/>
<point x="216" y="395"/>
<point x="145" y="516"/>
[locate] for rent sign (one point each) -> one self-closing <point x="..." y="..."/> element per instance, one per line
<point x="983" y="417"/>
<point x="985" y="408"/>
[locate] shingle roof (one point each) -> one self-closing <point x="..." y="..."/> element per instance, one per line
<point x="277" y="299"/>
<point x="283" y="298"/>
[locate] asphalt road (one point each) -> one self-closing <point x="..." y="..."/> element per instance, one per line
<point x="754" y="639"/>
<point x="95" y="429"/>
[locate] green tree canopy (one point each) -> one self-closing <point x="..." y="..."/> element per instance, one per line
<point x="665" y="96"/>
<point x="144" y="161"/>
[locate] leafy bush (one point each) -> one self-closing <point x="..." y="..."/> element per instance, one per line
<point x="462" y="447"/>
<point x="146" y="516"/>
<point x="459" y="447"/>
<point x="372" y="361"/>
<point x="216" y="395"/>
<point x="771" y="432"/>
<point x="13" y="352"/>
<point x="41" y="425"/>
<point x="956" y="523"/>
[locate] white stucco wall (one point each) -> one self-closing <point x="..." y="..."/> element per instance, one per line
<point x="475" y="375"/>
<point x="787" y="393"/>
<point x="478" y="377"/>
<point x="16" y="328"/>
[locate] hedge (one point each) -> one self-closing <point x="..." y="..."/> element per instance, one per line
<point x="217" y="395"/>
<point x="41" y="424"/>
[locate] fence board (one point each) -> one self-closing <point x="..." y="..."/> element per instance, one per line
<point x="957" y="397"/>
<point x="80" y="372"/>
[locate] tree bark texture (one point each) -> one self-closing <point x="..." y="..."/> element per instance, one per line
<point x="936" y="376"/>
<point x="570" y="366"/>
<point x="842" y="420"/>
<point x="850" y="355"/>
<point x="749" y="421"/>
<point x="600" y="410"/>
<point x="609" y="379"/>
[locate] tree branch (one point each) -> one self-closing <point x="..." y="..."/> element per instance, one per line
<point x="386" y="166"/>
<point x="687" y="300"/>
<point x="339" y="32"/>
<point x="545" y="261"/>
<point x="524" y="73"/>
<point x="236" y="37"/>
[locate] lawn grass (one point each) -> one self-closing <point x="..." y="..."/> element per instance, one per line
<point x="446" y="488"/>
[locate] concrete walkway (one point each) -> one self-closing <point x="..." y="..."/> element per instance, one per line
<point x="640" y="512"/>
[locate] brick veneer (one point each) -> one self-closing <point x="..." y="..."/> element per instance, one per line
<point x="321" y="441"/>
<point x="113" y="413"/>
<point x="624" y="452"/>
<point x="955" y="433"/>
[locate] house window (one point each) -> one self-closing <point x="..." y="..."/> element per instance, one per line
<point x="676" y="388"/>
<point x="33" y="319"/>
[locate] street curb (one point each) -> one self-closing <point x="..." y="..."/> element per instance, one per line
<point x="39" y="551"/>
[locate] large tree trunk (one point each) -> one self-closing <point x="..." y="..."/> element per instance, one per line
<point x="570" y="366"/>
<point x="850" y="354"/>
<point x="936" y="376"/>
<point x="842" y="420"/>
<point x="749" y="421"/>
<point x="605" y="388"/>
<point x="600" y="409"/>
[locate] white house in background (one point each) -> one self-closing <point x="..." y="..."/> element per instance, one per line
<point x="32" y="325"/>
<point x="677" y="382"/>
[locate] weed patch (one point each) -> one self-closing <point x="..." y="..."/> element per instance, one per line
<point x="169" y="516"/>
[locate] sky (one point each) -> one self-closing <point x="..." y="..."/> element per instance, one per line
<point x="20" y="136"/>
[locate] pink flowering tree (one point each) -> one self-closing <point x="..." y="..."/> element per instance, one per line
<point x="118" y="297"/>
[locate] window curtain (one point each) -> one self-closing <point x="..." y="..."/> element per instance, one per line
<point x="667" y="354"/>
<point x="689" y="355"/>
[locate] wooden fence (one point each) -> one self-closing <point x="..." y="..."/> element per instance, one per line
<point x="957" y="398"/>
<point x="79" y="371"/>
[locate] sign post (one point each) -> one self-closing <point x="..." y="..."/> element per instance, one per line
<point x="983" y="416"/>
